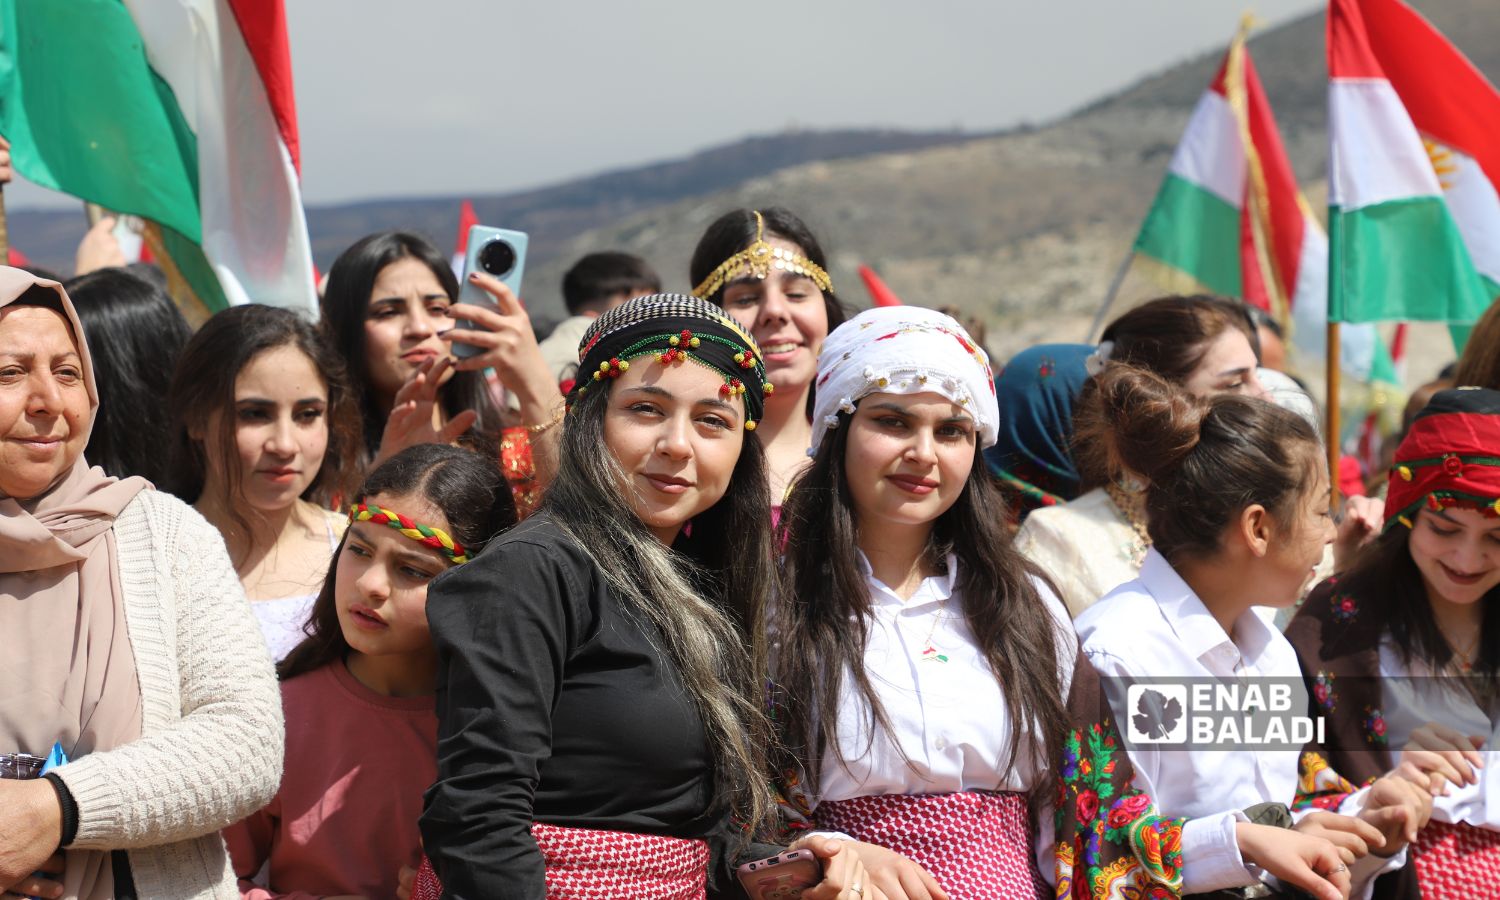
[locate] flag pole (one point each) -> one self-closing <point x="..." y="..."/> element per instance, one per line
<point x="1333" y="425"/>
<point x="4" y="231"/>
<point x="1109" y="296"/>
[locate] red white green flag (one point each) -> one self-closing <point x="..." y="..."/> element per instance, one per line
<point x="1414" y="133"/>
<point x="1229" y="218"/>
<point x="177" y="111"/>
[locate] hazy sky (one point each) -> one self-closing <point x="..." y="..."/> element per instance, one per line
<point x="397" y="97"/>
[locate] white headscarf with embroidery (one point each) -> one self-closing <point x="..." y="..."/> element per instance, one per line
<point x="903" y="350"/>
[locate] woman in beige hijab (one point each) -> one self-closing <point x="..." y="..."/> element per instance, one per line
<point x="125" y="640"/>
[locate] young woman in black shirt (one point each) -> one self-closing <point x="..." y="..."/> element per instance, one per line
<point x="600" y="729"/>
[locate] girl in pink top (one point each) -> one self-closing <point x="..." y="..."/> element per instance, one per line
<point x="358" y="692"/>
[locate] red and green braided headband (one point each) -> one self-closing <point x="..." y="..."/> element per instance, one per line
<point x="436" y="538"/>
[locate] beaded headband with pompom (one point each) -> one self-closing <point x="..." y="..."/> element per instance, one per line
<point x="1449" y="458"/>
<point x="672" y="329"/>
<point x="427" y="535"/>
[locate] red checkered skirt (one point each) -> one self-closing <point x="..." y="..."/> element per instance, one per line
<point x="1457" y="862"/>
<point x="977" y="844"/>
<point x="585" y="864"/>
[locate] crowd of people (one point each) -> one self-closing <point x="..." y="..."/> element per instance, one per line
<point x="295" y="609"/>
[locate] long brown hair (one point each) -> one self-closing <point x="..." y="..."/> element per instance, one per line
<point x="822" y="615"/>
<point x="466" y="487"/>
<point x="203" y="384"/>
<point x="702" y="594"/>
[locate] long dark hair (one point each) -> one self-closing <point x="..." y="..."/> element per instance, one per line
<point x="1390" y="590"/>
<point x="1168" y="336"/>
<point x="344" y="304"/>
<point x="702" y="595"/>
<point x="135" y="334"/>
<point x="203" y="384"/>
<point x="467" y="487"/>
<point x="822" y="611"/>
<point x="736" y="229"/>
<point x="1206" y="459"/>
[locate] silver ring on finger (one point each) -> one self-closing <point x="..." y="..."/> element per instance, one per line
<point x="1338" y="868"/>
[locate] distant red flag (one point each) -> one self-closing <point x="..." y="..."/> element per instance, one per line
<point x="882" y="295"/>
<point x="466" y="220"/>
<point x="16" y="257"/>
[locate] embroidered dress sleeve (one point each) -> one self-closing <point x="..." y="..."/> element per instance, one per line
<point x="503" y="625"/>
<point x="1110" y="840"/>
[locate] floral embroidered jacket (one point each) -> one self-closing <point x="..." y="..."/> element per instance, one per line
<point x="1340" y="654"/>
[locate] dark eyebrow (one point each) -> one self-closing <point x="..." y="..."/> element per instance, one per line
<point x="262" y="401"/>
<point x="655" y="391"/>
<point x="894" y="407"/>
<point x="29" y="357"/>
<point x="1243" y="370"/>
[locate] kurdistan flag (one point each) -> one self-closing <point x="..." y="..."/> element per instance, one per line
<point x="178" y="111"/>
<point x="1229" y="218"/>
<point x="1414" y="134"/>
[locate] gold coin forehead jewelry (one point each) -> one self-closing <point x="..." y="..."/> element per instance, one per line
<point x="759" y="260"/>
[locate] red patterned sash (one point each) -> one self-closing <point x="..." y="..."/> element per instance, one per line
<point x="977" y="844"/>
<point x="1457" y="862"/>
<point x="585" y="864"/>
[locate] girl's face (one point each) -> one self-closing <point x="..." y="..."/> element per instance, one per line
<point x="280" y="428"/>
<point x="380" y="581"/>
<point x="676" y="438"/>
<point x="1228" y="367"/>
<point x="908" y="457"/>
<point x="408" y="310"/>
<point x="1298" y="545"/>
<point x="1458" y="553"/>
<point x="787" y="316"/>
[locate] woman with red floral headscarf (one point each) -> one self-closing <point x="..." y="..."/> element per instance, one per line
<point x="1402" y="652"/>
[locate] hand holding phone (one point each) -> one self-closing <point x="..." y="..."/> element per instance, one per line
<point x="781" y="877"/>
<point x="498" y="253"/>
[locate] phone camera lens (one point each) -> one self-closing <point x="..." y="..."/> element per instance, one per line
<point x="497" y="258"/>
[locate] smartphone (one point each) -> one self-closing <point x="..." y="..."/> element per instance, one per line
<point x="496" y="252"/>
<point x="781" y="877"/>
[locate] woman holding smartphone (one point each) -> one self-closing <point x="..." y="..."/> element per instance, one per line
<point x="388" y="309"/>
<point x="599" y="719"/>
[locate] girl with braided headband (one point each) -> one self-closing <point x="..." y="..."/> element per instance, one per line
<point x="358" y="691"/>
<point x="1402" y="651"/>
<point x="600" y="730"/>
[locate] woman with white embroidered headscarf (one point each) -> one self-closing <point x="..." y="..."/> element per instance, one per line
<point x="129" y="659"/>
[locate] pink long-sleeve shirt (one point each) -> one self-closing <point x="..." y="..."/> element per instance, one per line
<point x="345" y="818"/>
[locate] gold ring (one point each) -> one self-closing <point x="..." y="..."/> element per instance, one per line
<point x="858" y="888"/>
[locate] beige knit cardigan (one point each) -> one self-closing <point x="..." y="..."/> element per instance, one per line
<point x="210" y="750"/>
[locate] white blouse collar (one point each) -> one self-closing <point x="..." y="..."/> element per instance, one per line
<point x="933" y="589"/>
<point x="1196" y="628"/>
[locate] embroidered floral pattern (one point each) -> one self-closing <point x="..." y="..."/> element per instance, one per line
<point x="1374" y="726"/>
<point x="1345" y="608"/>
<point x="1089" y="790"/>
<point x="1323" y="690"/>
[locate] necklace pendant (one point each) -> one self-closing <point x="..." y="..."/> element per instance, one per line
<point x="931" y="654"/>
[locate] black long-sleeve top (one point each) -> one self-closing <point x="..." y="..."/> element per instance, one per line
<point x="555" y="707"/>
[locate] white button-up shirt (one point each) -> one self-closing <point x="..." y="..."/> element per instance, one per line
<point x="949" y="717"/>
<point x="1156" y="627"/>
